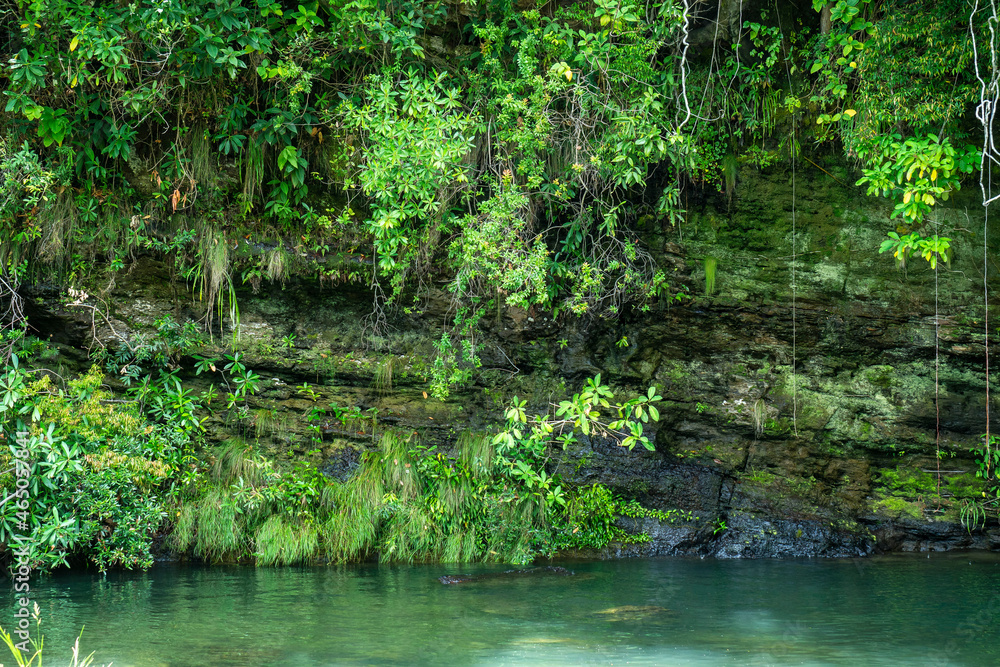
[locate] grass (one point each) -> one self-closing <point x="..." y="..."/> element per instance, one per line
<point x="204" y="170"/>
<point x="355" y="513"/>
<point x="711" y="265"/>
<point x="399" y="465"/>
<point x="57" y="222"/>
<point x="234" y="460"/>
<point x="253" y="171"/>
<point x="476" y="452"/>
<point x="280" y="541"/>
<point x="410" y="534"/>
<point x="404" y="502"/>
<point x="271" y="423"/>
<point x="212" y="274"/>
<point x="277" y="264"/>
<point x="382" y="381"/>
<point x="220" y="527"/>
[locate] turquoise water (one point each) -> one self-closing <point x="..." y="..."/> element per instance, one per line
<point x="915" y="610"/>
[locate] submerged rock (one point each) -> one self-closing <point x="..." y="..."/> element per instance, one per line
<point x="549" y="571"/>
<point x="632" y="612"/>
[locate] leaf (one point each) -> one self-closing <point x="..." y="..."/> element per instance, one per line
<point x="75" y="42"/>
<point x="851" y="113"/>
<point x="568" y="74"/>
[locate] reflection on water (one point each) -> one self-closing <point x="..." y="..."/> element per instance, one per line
<point x="911" y="610"/>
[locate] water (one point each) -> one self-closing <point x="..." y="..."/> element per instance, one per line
<point x="912" y="610"/>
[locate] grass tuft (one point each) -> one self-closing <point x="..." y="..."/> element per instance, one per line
<point x="283" y="542"/>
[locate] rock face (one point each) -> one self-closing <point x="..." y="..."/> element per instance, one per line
<point x="821" y="402"/>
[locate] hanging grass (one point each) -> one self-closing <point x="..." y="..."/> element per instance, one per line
<point x="400" y="466"/>
<point x="215" y="284"/>
<point x="454" y="494"/>
<point x="280" y="541"/>
<point x="453" y="549"/>
<point x="382" y="381"/>
<point x="711" y="264"/>
<point x="253" y="172"/>
<point x="277" y="263"/>
<point x="355" y="511"/>
<point x="234" y="460"/>
<point x="57" y="221"/>
<point x="220" y="528"/>
<point x="404" y="503"/>
<point x="476" y="452"/>
<point x="410" y="535"/>
<point x="185" y="529"/>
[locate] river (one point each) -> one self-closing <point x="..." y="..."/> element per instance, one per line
<point x="942" y="609"/>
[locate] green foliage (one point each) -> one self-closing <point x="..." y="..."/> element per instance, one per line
<point x="414" y="135"/>
<point x="972" y="514"/>
<point x="897" y="82"/>
<point x="515" y="169"/>
<point x="454" y="368"/>
<point x="98" y="472"/>
<point x="932" y="249"/>
<point x="916" y="173"/>
<point x="527" y="437"/>
<point x="493" y="499"/>
<point x="591" y="515"/>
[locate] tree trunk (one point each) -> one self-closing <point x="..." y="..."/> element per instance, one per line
<point x="825" y="20"/>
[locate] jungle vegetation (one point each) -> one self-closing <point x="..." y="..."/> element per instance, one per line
<point x="518" y="152"/>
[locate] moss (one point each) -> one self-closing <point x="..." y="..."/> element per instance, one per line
<point x="966" y="485"/>
<point x="897" y="508"/>
<point x="880" y="376"/>
<point x="907" y="482"/>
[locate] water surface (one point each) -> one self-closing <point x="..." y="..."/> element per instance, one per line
<point x="915" y="610"/>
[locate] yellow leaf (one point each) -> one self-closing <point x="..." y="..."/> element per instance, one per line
<point x="73" y="83"/>
<point x="605" y="19"/>
<point x="73" y="44"/>
<point x="906" y="197"/>
<point x="568" y="74"/>
<point x="934" y="174"/>
<point x="850" y="112"/>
